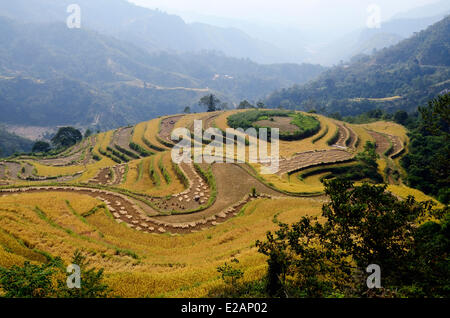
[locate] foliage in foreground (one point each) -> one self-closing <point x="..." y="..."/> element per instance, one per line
<point x="50" y="280"/>
<point x="362" y="225"/>
<point x="427" y="161"/>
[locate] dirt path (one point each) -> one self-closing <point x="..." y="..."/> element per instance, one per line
<point x="353" y="138"/>
<point x="109" y="176"/>
<point x="229" y="192"/>
<point x="167" y="125"/>
<point x="232" y="196"/>
<point x="209" y="121"/>
<point x="381" y="141"/>
<point x="397" y="145"/>
<point x="344" y="135"/>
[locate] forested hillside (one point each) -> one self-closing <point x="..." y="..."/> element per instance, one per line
<point x="10" y="143"/>
<point x="400" y="77"/>
<point x="52" y="75"/>
<point x="150" y="29"/>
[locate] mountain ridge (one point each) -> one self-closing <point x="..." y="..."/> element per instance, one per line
<point x="417" y="69"/>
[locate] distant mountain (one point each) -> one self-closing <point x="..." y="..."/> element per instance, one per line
<point x="374" y="42"/>
<point x="436" y="8"/>
<point x="391" y="32"/>
<point x="403" y="76"/>
<point x="52" y="75"/>
<point x="150" y="29"/>
<point x="11" y="143"/>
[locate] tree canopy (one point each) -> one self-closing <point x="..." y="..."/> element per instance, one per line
<point x="360" y="226"/>
<point x="210" y="102"/>
<point x="427" y="161"/>
<point x="41" y="146"/>
<point x="66" y="137"/>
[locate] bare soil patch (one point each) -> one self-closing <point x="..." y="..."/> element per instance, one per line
<point x="344" y="135"/>
<point x="167" y="125"/>
<point x="283" y="123"/>
<point x="381" y="141"/>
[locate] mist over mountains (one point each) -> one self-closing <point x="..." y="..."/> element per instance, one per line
<point x="150" y="29"/>
<point x="52" y="75"/>
<point x="401" y="77"/>
<point x="128" y="63"/>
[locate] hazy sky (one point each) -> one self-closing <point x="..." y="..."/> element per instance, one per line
<point x="341" y="14"/>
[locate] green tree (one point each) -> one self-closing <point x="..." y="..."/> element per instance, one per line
<point x="28" y="281"/>
<point x="401" y="117"/>
<point x="369" y="156"/>
<point x="210" y="102"/>
<point x="428" y="159"/>
<point x="49" y="280"/>
<point x="66" y="137"/>
<point x="92" y="285"/>
<point x="361" y="225"/>
<point x="187" y="110"/>
<point x="436" y="117"/>
<point x="87" y="133"/>
<point x="41" y="146"/>
<point x="245" y="104"/>
<point x="230" y="274"/>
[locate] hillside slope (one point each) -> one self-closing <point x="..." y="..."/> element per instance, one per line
<point x="162" y="229"/>
<point x="400" y="77"/>
<point x="151" y="29"/>
<point x="52" y="75"/>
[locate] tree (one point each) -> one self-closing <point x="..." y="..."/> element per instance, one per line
<point x="336" y="115"/>
<point x="187" y="110"/>
<point x="361" y="225"/>
<point x="401" y="117"/>
<point x="87" y="133"/>
<point x="92" y="285"/>
<point x="210" y="102"/>
<point x="369" y="156"/>
<point x="28" y="281"/>
<point x="260" y="105"/>
<point x="66" y="137"/>
<point x="230" y="275"/>
<point x="41" y="146"/>
<point x="427" y="160"/>
<point x="49" y="280"/>
<point x="223" y="106"/>
<point x="436" y="117"/>
<point x="245" y="104"/>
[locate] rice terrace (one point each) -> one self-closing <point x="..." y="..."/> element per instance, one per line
<point x="211" y="157"/>
<point x="160" y="229"/>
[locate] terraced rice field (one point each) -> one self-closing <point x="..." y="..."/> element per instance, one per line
<point x="166" y="127"/>
<point x="161" y="229"/>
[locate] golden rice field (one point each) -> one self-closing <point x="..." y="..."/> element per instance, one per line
<point x="160" y="264"/>
<point x="167" y="266"/>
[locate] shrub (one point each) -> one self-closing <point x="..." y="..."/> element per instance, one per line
<point x="334" y="138"/>
<point x="143" y="152"/>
